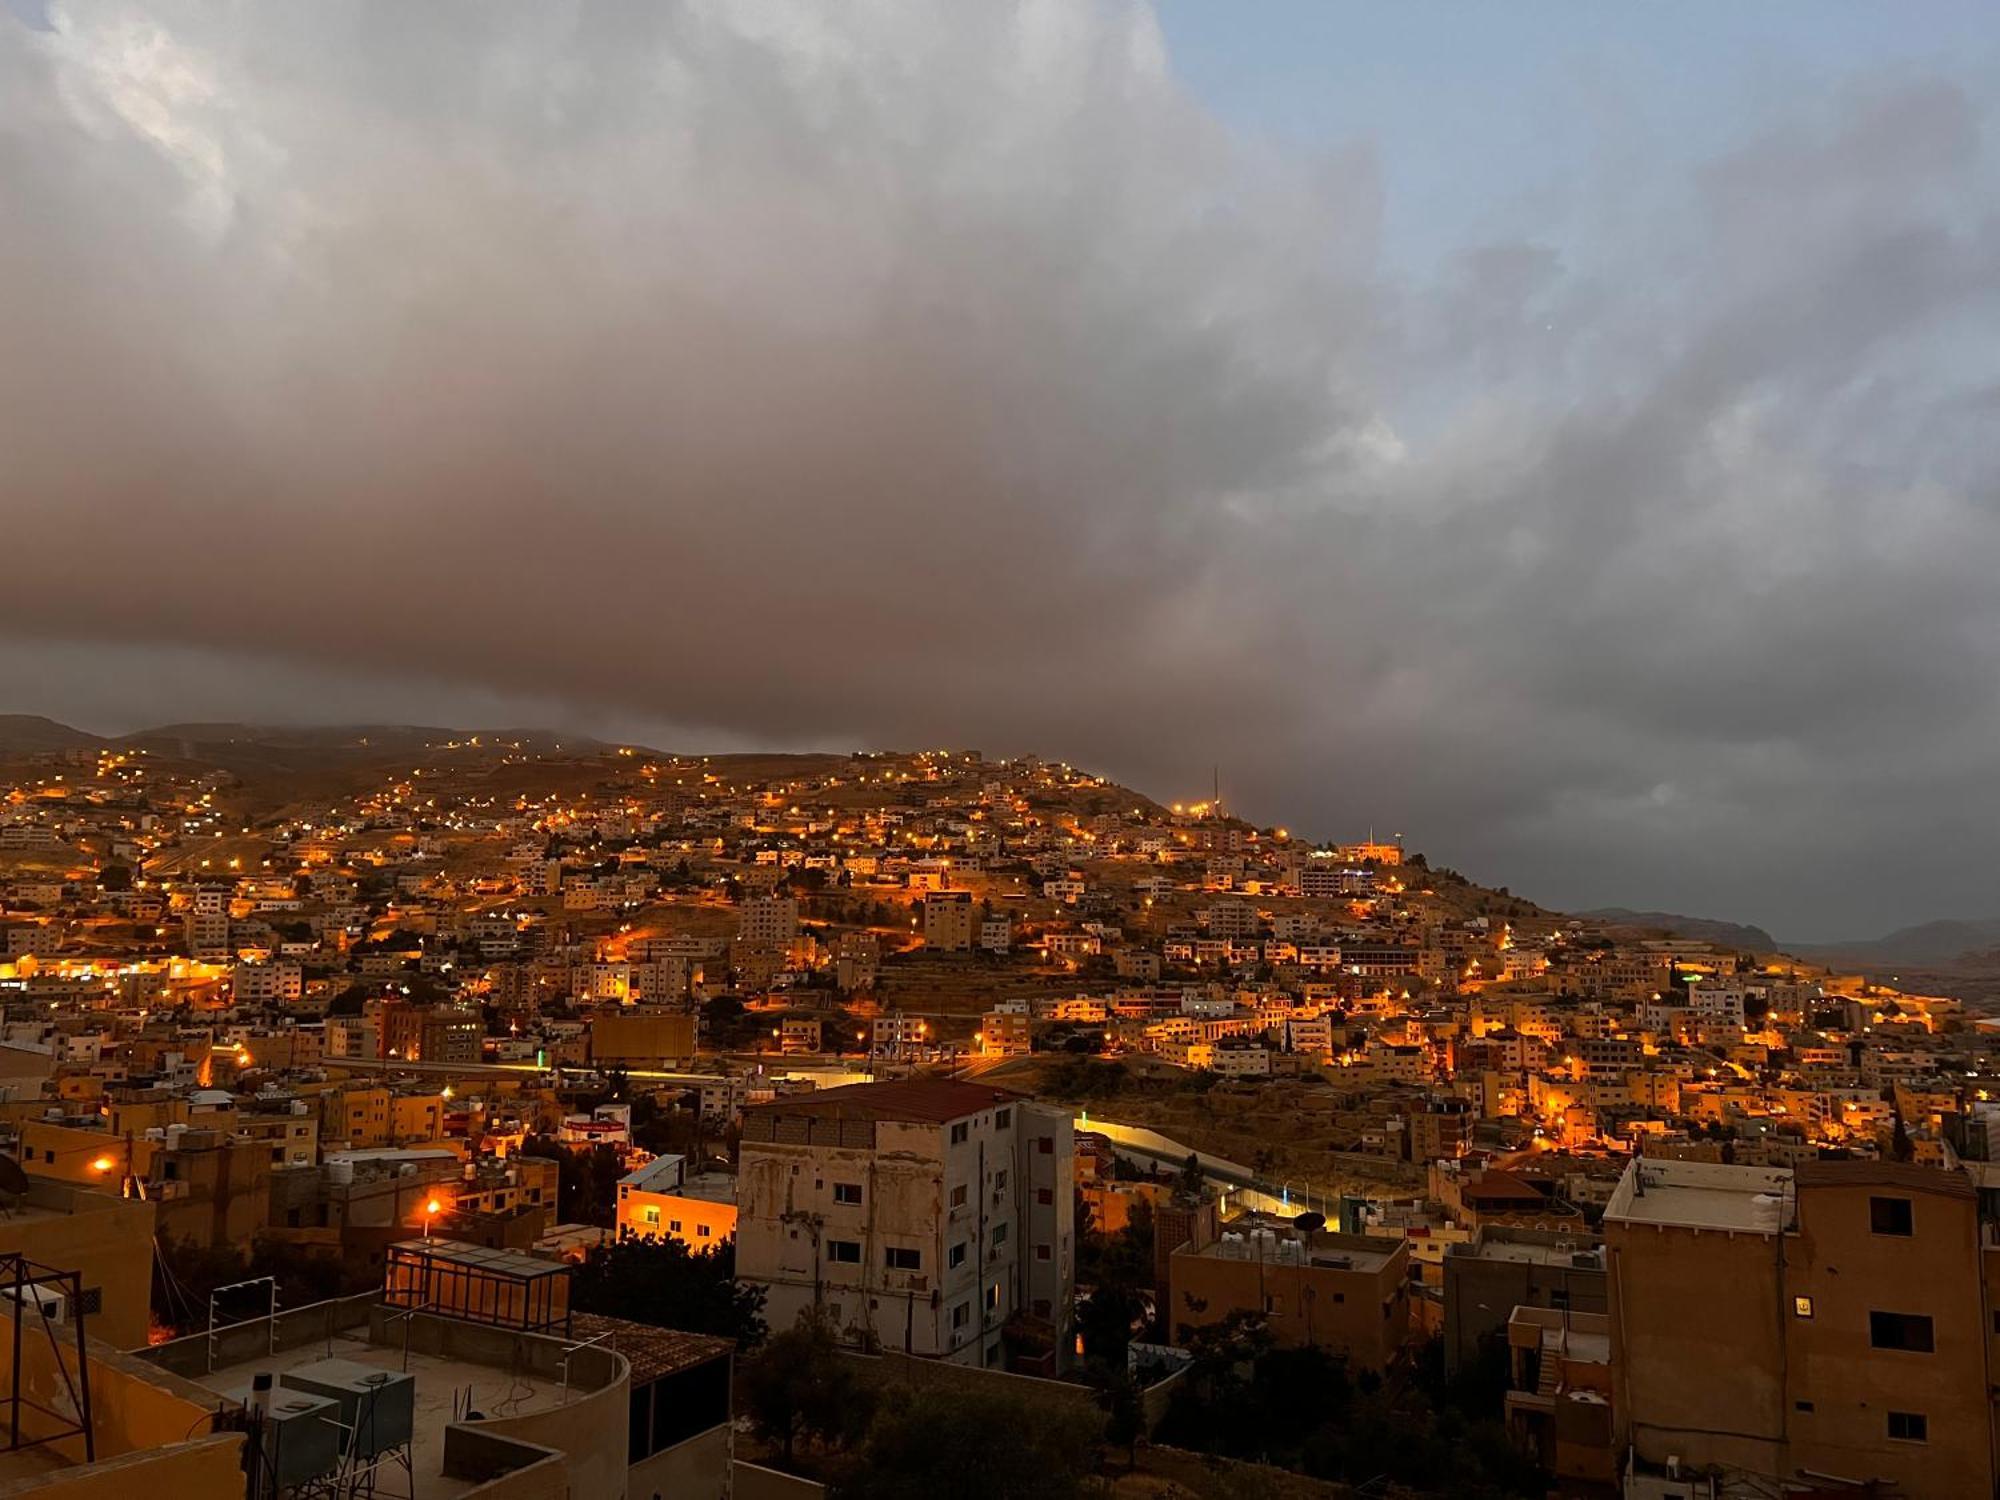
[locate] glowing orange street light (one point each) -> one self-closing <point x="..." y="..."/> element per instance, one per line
<point x="103" y="1164"/>
<point x="431" y="1210"/>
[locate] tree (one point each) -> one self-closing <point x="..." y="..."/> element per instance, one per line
<point x="800" y="1386"/>
<point x="1124" y="1415"/>
<point x="974" y="1445"/>
<point x="664" y="1283"/>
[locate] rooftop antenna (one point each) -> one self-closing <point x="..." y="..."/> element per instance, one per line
<point x="1215" y="794"/>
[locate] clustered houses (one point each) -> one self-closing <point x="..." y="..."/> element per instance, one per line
<point x="338" y="1020"/>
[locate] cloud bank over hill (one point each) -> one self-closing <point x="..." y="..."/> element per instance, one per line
<point x="899" y="374"/>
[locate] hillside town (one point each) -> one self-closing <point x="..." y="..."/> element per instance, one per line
<point x="954" y="1063"/>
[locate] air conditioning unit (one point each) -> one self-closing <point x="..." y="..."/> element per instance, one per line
<point x="376" y="1406"/>
<point x="39" y="1301"/>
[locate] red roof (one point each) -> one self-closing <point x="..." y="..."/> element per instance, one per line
<point x="924" y="1100"/>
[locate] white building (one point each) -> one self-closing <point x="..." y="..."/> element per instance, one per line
<point x="926" y="1215"/>
<point x="268" y="984"/>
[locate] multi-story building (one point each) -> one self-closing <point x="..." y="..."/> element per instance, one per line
<point x="267" y="983"/>
<point x="662" y="1201"/>
<point x="1346" y="1292"/>
<point x="1797" y="1327"/>
<point x="949" y="920"/>
<point x="927" y="1215"/>
<point x="772" y="920"/>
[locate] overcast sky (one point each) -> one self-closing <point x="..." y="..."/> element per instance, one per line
<point x="1566" y="434"/>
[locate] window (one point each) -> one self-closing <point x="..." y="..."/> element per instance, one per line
<point x="1802" y="1406"/>
<point x="649" y="1216"/>
<point x="957" y="1256"/>
<point x="1045" y="1195"/>
<point x="961" y="1315"/>
<point x="958" y="1196"/>
<point x="673" y="1226"/>
<point x="897" y="1258"/>
<point x="847" y="1192"/>
<point x="1002" y="1119"/>
<point x="993" y="1297"/>
<point x="960" y="1133"/>
<point x="999" y="1235"/>
<point x="90" y="1300"/>
<point x="1802" y="1307"/>
<point x="844" y="1252"/>
<point x="1909" y="1427"/>
<point x="701" y="1231"/>
<point x="1892" y="1216"/>
<point x="1911" y="1331"/>
<point x="1045" y="1144"/>
<point x="999" y="1181"/>
<point x="1042" y="1252"/>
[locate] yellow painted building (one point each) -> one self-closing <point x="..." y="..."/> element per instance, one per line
<point x="661" y="1202"/>
<point x="107" y="1240"/>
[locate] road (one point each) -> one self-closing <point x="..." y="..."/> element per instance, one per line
<point x="1242" y="1187"/>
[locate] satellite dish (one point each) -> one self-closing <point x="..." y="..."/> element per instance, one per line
<point x="1309" y="1223"/>
<point x="12" y="1179"/>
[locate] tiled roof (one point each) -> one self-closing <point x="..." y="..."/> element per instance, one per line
<point x="652" y="1352"/>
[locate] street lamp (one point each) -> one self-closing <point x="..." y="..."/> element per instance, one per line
<point x="431" y="1211"/>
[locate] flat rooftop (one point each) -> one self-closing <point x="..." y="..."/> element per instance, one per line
<point x="1702" y="1195"/>
<point x="1524" y="1254"/>
<point x="440" y="1382"/>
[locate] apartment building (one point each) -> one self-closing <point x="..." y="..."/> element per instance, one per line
<point x="1345" y="1292"/>
<point x="949" y="921"/>
<point x="663" y="1201"/>
<point x="772" y="920"/>
<point x="1791" y="1328"/>
<point x="927" y="1215"/>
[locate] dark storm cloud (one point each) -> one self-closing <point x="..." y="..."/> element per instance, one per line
<point x="889" y="373"/>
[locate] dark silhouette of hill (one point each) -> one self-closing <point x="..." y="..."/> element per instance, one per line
<point x="1700" y="929"/>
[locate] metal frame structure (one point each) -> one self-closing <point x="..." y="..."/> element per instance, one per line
<point x="17" y="1275"/>
<point x="476" y="1285"/>
<point x="270" y="1283"/>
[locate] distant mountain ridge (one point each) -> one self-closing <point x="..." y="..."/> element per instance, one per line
<point x="1700" y="929"/>
<point x="277" y="746"/>
<point x="1925" y="943"/>
<point x="31" y="734"/>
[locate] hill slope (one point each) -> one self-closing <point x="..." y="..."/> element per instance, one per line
<point x="1700" y="929"/>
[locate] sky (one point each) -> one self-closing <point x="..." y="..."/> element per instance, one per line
<point x="1565" y="434"/>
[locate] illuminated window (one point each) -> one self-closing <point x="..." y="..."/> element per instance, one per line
<point x="1802" y="1307"/>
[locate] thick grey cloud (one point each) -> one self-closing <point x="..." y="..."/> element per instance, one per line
<point x="892" y="373"/>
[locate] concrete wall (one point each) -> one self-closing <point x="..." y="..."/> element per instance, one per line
<point x="202" y="1469"/>
<point x="244" y="1341"/>
<point x="754" y="1482"/>
<point x="590" y="1430"/>
<point x="134" y="1407"/>
<point x="698" y="1469"/>
<point x="1848" y="1271"/>
<point x="106" y="1239"/>
<point x="502" y="1468"/>
<point x="1697" y="1342"/>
